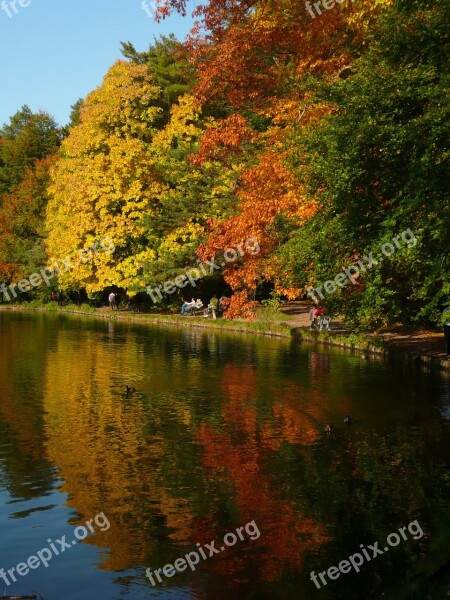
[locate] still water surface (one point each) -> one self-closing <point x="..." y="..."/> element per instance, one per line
<point x="223" y="430"/>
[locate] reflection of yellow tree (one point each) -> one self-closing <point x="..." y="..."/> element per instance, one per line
<point x="97" y="439"/>
<point x="224" y="435"/>
<point x="180" y="466"/>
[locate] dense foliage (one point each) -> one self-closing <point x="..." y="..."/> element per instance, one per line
<point x="324" y="138"/>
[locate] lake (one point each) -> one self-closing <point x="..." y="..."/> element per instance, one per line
<point x="223" y="441"/>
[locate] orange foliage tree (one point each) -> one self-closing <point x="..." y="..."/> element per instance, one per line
<point x="254" y="59"/>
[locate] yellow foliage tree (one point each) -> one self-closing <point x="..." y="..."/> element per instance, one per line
<point x="105" y="182"/>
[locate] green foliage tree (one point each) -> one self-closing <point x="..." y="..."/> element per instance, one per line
<point x="27" y="138"/>
<point x="192" y="194"/>
<point x="75" y="113"/>
<point x="378" y="165"/>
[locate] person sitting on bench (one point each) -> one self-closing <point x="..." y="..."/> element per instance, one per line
<point x="198" y="305"/>
<point x="315" y="314"/>
<point x="187" y="307"/>
<point x="192" y="307"/>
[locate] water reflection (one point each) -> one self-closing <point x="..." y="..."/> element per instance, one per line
<point x="445" y="400"/>
<point x="222" y="430"/>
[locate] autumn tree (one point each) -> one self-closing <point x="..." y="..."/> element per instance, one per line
<point x="27" y="144"/>
<point x="199" y="189"/>
<point x="169" y="66"/>
<point x="22" y="223"/>
<point x="105" y="182"/>
<point x="257" y="60"/>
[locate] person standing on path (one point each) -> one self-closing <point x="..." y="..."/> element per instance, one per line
<point x="112" y="300"/>
<point x="315" y="315"/>
<point x="446" y="313"/>
<point x="214" y="305"/>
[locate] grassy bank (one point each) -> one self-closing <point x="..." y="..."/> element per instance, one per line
<point x="262" y="326"/>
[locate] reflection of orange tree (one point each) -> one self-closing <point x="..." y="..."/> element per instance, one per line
<point x="293" y="424"/>
<point x="240" y="456"/>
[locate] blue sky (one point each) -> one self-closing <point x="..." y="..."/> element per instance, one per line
<point x="56" y="51"/>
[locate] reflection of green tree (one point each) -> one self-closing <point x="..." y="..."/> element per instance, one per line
<point x="365" y="488"/>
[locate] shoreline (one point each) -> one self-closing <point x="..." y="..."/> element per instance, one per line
<point x="360" y="343"/>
